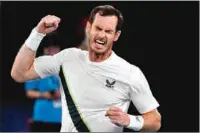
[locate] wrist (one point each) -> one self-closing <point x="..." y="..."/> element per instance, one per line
<point x="34" y="40"/>
<point x="136" y="122"/>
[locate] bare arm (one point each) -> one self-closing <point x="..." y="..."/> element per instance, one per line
<point x="47" y="95"/>
<point x="152" y="119"/>
<point x="23" y="69"/>
<point x="33" y="94"/>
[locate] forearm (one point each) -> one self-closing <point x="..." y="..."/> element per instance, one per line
<point x="33" y="94"/>
<point x="36" y="94"/>
<point x="23" y="68"/>
<point x="152" y="122"/>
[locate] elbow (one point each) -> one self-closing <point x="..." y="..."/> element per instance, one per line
<point x="16" y="76"/>
<point x="153" y="122"/>
<point x="157" y="123"/>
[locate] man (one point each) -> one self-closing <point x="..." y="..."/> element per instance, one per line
<point x="97" y="85"/>
<point x="47" y="106"/>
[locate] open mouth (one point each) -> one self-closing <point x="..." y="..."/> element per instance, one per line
<point x="100" y="42"/>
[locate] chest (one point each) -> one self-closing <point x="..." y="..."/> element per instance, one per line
<point x="90" y="89"/>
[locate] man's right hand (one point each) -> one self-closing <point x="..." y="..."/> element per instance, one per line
<point x="48" y="24"/>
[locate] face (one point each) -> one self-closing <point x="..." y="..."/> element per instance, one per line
<point x="102" y="33"/>
<point x="51" y="50"/>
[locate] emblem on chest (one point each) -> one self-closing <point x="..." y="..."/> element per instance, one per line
<point x="110" y="84"/>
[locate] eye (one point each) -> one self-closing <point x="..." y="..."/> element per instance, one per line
<point x="98" y="28"/>
<point x="109" y="31"/>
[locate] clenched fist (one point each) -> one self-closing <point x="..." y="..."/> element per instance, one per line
<point x="118" y="117"/>
<point x="48" y="24"/>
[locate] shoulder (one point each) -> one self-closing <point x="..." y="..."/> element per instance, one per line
<point x="68" y="54"/>
<point x="70" y="51"/>
<point x="131" y="71"/>
<point x="125" y="65"/>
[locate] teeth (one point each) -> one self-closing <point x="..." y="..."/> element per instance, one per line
<point x="100" y="42"/>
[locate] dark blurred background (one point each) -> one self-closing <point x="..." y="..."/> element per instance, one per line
<point x="162" y="38"/>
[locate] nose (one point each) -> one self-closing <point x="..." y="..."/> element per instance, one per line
<point x="102" y="34"/>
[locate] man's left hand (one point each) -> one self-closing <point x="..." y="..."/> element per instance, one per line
<point x="118" y="117"/>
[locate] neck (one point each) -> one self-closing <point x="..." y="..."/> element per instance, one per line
<point x="95" y="57"/>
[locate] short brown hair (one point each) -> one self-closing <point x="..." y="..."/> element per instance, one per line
<point x="107" y="10"/>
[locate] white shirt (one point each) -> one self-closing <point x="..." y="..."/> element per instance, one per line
<point x="95" y="87"/>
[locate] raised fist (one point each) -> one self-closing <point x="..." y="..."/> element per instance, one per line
<point x="48" y="24"/>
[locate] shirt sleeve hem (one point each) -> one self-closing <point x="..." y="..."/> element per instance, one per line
<point x="148" y="109"/>
<point x="37" y="71"/>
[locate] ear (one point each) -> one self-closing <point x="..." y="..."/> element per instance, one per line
<point x="117" y="34"/>
<point x="88" y="27"/>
